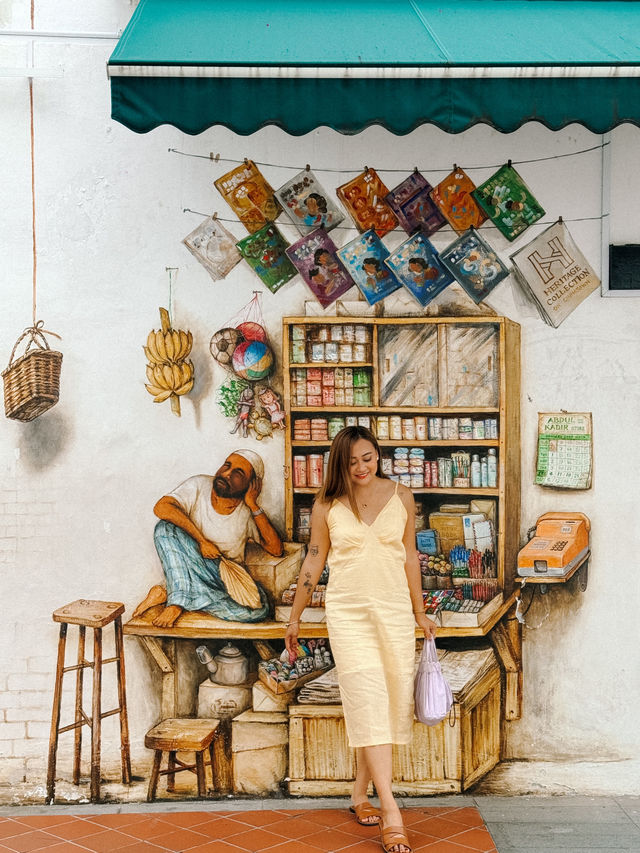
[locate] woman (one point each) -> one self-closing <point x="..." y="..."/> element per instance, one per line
<point x="364" y="523"/>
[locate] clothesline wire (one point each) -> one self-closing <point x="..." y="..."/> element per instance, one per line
<point x="216" y="158"/>
<point x="444" y="229"/>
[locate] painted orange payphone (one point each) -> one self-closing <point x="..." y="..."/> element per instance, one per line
<point x="560" y="543"/>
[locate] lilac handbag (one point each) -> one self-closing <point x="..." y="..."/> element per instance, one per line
<point x="431" y="692"/>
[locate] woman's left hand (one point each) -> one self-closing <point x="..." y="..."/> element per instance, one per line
<point x="427" y="626"/>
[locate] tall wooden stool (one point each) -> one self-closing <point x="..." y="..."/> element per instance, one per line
<point x="89" y="614"/>
<point x="188" y="735"/>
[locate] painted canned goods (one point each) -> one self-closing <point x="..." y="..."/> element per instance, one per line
<point x="314" y="470"/>
<point x="335" y="425"/>
<point x="300" y="471"/>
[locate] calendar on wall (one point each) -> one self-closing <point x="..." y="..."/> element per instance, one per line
<point x="565" y="448"/>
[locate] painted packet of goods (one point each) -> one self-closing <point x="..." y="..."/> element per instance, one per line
<point x="417" y="265"/>
<point x="455" y="202"/>
<point x="307" y="203"/>
<point x="265" y="252"/>
<point x="364" y="257"/>
<point x="508" y="202"/>
<point x="364" y="199"/>
<point x="214" y="247"/>
<point x="250" y="196"/>
<point x="412" y="204"/>
<point x="315" y="258"/>
<point x="475" y="265"/>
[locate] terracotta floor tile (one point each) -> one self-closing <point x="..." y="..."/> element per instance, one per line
<point x="107" y="841"/>
<point x="218" y="847"/>
<point x="333" y="839"/>
<point x="10" y="828"/>
<point x="292" y="847"/>
<point x="186" y="819"/>
<point x="257" y="839"/>
<point x="445" y="847"/>
<point x="441" y="827"/>
<point x="223" y="828"/>
<point x="41" y="821"/>
<point x="294" y="827"/>
<point x="30" y="841"/>
<point x="140" y="847"/>
<point x="328" y="817"/>
<point x="180" y="840"/>
<point x="258" y="818"/>
<point x="59" y="847"/>
<point x="476" y="839"/>
<point x="468" y="816"/>
<point x="147" y="830"/>
<point x="73" y="830"/>
<point x="118" y="820"/>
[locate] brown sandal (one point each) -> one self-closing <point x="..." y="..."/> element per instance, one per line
<point x="364" y="810"/>
<point x="394" y="836"/>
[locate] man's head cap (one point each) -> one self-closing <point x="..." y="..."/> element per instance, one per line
<point x="253" y="459"/>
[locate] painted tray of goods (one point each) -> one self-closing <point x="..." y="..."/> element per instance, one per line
<point x="284" y="685"/>
<point x="469" y="613"/>
<point x="281" y="676"/>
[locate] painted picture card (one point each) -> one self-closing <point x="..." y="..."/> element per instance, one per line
<point x="508" y="202"/>
<point x="474" y="264"/>
<point x="214" y="247"/>
<point x="265" y="251"/>
<point x="413" y="206"/>
<point x="250" y="196"/>
<point x="455" y="202"/>
<point x="364" y="257"/>
<point x="307" y="203"/>
<point x="364" y="199"/>
<point x="315" y="258"/>
<point x="417" y="265"/>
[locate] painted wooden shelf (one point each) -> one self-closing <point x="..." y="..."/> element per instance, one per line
<point x="404" y="442"/>
<point x="298" y="490"/>
<point x="399" y="410"/>
<point x="295" y="364"/>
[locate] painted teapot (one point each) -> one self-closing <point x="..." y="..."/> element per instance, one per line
<point x="229" y="666"/>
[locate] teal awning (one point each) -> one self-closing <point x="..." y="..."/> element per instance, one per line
<point x="400" y="63"/>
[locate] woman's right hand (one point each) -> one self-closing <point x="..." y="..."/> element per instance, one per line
<point x="291" y="640"/>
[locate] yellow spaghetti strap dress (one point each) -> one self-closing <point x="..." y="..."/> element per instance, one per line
<point x="370" y="623"/>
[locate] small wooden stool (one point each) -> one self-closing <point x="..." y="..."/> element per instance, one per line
<point x="187" y="734"/>
<point x="89" y="614"/>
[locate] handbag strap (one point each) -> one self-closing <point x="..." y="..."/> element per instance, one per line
<point x="36" y="338"/>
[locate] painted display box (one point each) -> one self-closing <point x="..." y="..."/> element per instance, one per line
<point x="440" y="759"/>
<point x="259" y="743"/>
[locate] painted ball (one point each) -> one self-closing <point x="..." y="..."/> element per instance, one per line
<point x="223" y="344"/>
<point x="252" y="360"/>
<point x="251" y="331"/>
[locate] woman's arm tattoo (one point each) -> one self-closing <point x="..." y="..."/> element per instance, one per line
<point x="307" y="585"/>
<point x="313" y="550"/>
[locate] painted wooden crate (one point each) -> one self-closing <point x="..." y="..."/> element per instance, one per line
<point x="440" y="759"/>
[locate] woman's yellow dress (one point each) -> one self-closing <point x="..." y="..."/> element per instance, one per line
<point x="370" y="623"/>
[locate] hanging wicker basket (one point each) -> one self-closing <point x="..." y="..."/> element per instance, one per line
<point x="32" y="382"/>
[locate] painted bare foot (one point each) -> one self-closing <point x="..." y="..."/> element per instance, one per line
<point x="156" y="595"/>
<point x="168" y="617"/>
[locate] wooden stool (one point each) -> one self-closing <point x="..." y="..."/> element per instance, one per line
<point x="189" y="734"/>
<point x="89" y="614"/>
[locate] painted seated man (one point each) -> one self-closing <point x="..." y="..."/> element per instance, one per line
<point x="205" y="518"/>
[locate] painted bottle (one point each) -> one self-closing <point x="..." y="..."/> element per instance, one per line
<point x="476" y="477"/>
<point x="484" y="472"/>
<point x="492" y="468"/>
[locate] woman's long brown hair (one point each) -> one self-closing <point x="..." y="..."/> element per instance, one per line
<point x="338" y="482"/>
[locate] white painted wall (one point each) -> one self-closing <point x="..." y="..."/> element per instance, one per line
<point x="77" y="485"/>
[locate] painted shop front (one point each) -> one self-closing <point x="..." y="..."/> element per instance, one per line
<point x="291" y="248"/>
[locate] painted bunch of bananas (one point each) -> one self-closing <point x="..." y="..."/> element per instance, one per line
<point x="168" y="372"/>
